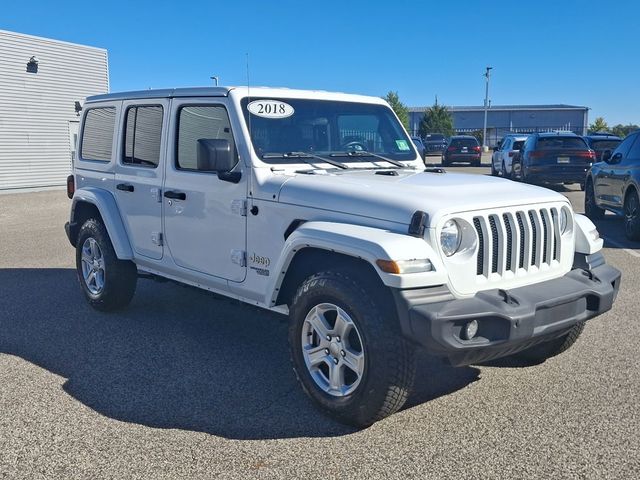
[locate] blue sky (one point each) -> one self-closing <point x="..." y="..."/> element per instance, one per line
<point x="581" y="53"/>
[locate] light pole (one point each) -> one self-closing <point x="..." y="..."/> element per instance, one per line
<point x="215" y="79"/>
<point x="486" y="106"/>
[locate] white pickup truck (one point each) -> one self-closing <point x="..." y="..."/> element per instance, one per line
<point x="316" y="205"/>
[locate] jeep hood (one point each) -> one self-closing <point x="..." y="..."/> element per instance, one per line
<point x="395" y="198"/>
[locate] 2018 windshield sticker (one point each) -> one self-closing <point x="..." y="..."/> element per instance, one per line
<point x="270" y="109"/>
<point x="402" y="145"/>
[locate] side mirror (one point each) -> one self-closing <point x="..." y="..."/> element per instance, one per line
<point x="606" y="156"/>
<point x="616" y="158"/>
<point x="215" y="155"/>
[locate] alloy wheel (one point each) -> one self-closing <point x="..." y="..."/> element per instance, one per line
<point x="332" y="349"/>
<point x="93" y="266"/>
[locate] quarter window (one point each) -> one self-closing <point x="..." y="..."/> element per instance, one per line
<point x="634" y="153"/>
<point x="143" y="131"/>
<point x="97" y="134"/>
<point x="200" y="122"/>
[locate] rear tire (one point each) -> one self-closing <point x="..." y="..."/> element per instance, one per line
<point x="504" y="171"/>
<point x="323" y="306"/>
<point x="546" y="350"/>
<point x="591" y="208"/>
<point x="107" y="282"/>
<point x="632" y="216"/>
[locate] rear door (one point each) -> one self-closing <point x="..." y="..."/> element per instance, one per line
<point x="139" y="173"/>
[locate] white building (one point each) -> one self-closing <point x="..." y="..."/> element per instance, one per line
<point x="40" y="82"/>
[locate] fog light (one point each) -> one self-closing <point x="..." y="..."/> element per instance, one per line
<point x="470" y="330"/>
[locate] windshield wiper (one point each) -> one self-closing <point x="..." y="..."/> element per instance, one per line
<point x="303" y="156"/>
<point x="364" y="153"/>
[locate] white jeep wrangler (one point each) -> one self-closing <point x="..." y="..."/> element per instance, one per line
<point x="316" y="205"/>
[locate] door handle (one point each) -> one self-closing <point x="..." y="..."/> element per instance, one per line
<point x="125" y="187"/>
<point x="175" y="195"/>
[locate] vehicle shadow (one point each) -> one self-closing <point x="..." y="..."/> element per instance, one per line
<point x="178" y="357"/>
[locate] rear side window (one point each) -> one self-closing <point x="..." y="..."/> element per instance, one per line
<point x="464" y="142"/>
<point x="200" y="122"/>
<point x="518" y="145"/>
<point x="553" y="143"/>
<point x="97" y="134"/>
<point x="143" y="132"/>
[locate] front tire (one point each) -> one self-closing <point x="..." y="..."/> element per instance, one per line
<point x="591" y="208"/>
<point x="632" y="216"/>
<point x="107" y="282"/>
<point x="346" y="353"/>
<point x="546" y="350"/>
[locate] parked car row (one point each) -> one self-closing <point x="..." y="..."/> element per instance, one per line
<point x="551" y="158"/>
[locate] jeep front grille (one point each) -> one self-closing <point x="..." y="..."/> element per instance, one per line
<point x="526" y="239"/>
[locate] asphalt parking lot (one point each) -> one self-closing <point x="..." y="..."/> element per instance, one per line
<point x="184" y="384"/>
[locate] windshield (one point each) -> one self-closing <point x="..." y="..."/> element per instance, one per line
<point x="464" y="142"/>
<point x="282" y="126"/>
<point x="434" y="137"/>
<point x="552" y="143"/>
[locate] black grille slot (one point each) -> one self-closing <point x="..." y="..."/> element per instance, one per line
<point x="507" y="226"/>
<point x="495" y="247"/>
<point x="545" y="232"/>
<point x="480" y="264"/>
<point x="521" y="228"/>
<point x="554" y="222"/>
<point x="534" y="237"/>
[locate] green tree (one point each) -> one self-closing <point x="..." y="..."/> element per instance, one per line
<point x="400" y="108"/>
<point x="437" y="119"/>
<point x="599" y="125"/>
<point x="624" y="130"/>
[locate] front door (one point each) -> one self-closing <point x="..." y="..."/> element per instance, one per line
<point x="139" y="173"/>
<point x="204" y="217"/>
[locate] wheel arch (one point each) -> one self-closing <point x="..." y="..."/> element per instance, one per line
<point x="100" y="204"/>
<point x="315" y="246"/>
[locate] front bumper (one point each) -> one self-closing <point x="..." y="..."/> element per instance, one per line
<point x="509" y="320"/>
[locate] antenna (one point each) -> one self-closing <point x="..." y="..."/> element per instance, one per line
<point x="249" y="100"/>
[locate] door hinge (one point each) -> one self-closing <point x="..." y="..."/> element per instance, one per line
<point x="239" y="257"/>
<point x="156" y="193"/>
<point x="239" y="207"/>
<point x="156" y="238"/>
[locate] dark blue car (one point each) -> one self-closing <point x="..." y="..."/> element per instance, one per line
<point x="613" y="184"/>
<point x="601" y="142"/>
<point x="553" y="158"/>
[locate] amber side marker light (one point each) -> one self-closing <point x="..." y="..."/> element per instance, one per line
<point x="71" y="186"/>
<point x="405" y="266"/>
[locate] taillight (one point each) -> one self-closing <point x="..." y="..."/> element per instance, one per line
<point x="451" y="149"/>
<point x="536" y="154"/>
<point x="512" y="153"/>
<point x="476" y="148"/>
<point x="71" y="186"/>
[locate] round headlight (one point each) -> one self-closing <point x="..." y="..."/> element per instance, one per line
<point x="450" y="238"/>
<point x="564" y="220"/>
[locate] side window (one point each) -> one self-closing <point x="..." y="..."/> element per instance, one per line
<point x="634" y="152"/>
<point x="199" y="122"/>
<point x="142" y="135"/>
<point x="97" y="134"/>
<point x="507" y="145"/>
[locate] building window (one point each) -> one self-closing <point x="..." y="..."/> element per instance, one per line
<point x="143" y="131"/>
<point x="97" y="134"/>
<point x="200" y="122"/>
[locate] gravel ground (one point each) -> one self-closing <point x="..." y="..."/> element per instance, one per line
<point x="184" y="384"/>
